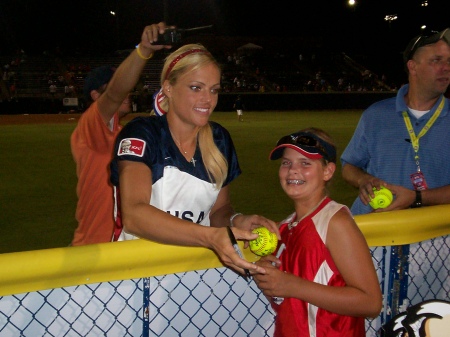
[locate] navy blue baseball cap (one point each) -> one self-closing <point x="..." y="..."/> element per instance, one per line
<point x="96" y="78"/>
<point x="306" y="143"/>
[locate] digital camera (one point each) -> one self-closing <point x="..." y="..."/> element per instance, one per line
<point x="170" y="36"/>
<point x="173" y="36"/>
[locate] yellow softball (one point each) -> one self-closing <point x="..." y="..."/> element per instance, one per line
<point x="265" y="244"/>
<point x="382" y="199"/>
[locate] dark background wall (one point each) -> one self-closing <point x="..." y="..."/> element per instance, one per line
<point x="252" y="101"/>
<point x="302" y="101"/>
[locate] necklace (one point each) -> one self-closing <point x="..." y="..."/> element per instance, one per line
<point x="178" y="143"/>
<point x="295" y="223"/>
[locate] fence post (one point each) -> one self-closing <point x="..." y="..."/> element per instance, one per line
<point x="398" y="281"/>
<point x="146" y="307"/>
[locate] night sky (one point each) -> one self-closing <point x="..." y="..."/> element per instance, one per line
<point x="36" y="26"/>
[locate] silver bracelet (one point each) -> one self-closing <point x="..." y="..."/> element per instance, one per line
<point x="232" y="218"/>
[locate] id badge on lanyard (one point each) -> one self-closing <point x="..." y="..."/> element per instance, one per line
<point x="418" y="181"/>
<point x="418" y="178"/>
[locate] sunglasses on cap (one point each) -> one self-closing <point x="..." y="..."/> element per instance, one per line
<point x="307" y="144"/>
<point x="424" y="39"/>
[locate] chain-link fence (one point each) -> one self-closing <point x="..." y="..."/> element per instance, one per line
<point x="209" y="302"/>
<point x="186" y="291"/>
<point x="212" y="302"/>
<point x="410" y="274"/>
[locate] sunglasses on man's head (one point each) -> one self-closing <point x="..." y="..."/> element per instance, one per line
<point x="427" y="38"/>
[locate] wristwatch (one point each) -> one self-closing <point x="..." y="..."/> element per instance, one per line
<point x="418" y="202"/>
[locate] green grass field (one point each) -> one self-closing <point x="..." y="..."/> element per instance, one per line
<point x="37" y="190"/>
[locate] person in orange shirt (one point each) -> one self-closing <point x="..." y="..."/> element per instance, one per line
<point x="92" y="143"/>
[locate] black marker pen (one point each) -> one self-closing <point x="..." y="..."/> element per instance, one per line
<point x="237" y="249"/>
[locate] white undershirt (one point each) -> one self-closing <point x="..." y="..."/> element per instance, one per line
<point x="417" y="113"/>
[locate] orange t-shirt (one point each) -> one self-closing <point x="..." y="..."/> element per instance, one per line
<point x="92" y="145"/>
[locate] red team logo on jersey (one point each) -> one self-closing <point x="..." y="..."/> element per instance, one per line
<point x="131" y="146"/>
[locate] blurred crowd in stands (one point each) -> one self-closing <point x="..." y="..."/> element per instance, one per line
<point x="247" y="69"/>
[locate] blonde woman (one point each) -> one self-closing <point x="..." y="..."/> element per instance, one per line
<point x="174" y="186"/>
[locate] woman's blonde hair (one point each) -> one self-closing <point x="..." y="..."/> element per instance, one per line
<point x="189" y="58"/>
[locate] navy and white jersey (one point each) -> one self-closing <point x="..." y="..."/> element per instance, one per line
<point x="180" y="188"/>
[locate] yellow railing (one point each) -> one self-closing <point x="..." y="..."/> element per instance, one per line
<point x="62" y="267"/>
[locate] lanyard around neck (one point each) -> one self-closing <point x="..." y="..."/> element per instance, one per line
<point x="414" y="138"/>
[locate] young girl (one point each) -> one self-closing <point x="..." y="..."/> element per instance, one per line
<point x="325" y="276"/>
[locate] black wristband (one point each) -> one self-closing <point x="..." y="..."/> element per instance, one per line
<point x="418" y="202"/>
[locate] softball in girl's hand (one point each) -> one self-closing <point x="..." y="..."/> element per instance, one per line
<point x="382" y="199"/>
<point x="265" y="244"/>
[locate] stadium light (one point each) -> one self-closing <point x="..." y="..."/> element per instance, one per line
<point x="390" y="17"/>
